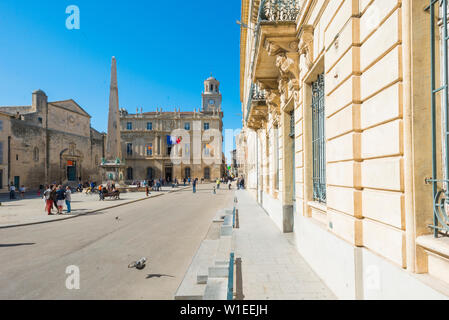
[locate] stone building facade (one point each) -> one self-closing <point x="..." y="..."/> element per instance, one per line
<point x="146" y="150"/>
<point x="345" y="126"/>
<point x="49" y="142"/>
<point x="5" y="129"/>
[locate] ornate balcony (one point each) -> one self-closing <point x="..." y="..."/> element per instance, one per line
<point x="275" y="35"/>
<point x="257" y="109"/>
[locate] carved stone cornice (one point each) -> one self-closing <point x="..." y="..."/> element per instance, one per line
<point x="306" y="45"/>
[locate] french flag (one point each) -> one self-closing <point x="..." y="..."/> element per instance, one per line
<point x="172" y="140"/>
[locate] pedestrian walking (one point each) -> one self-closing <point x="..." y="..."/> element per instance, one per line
<point x="147" y="190"/>
<point x="194" y="185"/>
<point x="54" y="197"/>
<point x="68" y="199"/>
<point x="60" y="199"/>
<point x="22" y="191"/>
<point x="12" y="191"/>
<point x="48" y="199"/>
<point x="218" y="184"/>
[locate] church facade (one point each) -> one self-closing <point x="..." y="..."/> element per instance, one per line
<point x="175" y="145"/>
<point x="48" y="142"/>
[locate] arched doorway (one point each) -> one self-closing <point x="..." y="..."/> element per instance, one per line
<point x="207" y="173"/>
<point x="187" y="173"/>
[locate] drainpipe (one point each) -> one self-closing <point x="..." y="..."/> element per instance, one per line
<point x="410" y="232"/>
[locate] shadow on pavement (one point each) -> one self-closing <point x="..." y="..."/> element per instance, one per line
<point x="151" y="276"/>
<point x="16" y="245"/>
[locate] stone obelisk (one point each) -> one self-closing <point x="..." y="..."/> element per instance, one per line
<point x="113" y="148"/>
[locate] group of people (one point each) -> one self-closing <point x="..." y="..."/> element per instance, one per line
<point x="13" y="190"/>
<point x="56" y="196"/>
<point x="103" y="191"/>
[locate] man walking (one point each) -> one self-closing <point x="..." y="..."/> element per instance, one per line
<point x="12" y="191"/>
<point x="194" y="185"/>
<point x="68" y="199"/>
<point x="48" y="200"/>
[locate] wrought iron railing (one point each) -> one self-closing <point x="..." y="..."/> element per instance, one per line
<point x="279" y="10"/>
<point x="438" y="17"/>
<point x="255" y="94"/>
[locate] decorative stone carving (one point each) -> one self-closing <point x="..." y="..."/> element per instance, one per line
<point x="306" y="45"/>
<point x="272" y="48"/>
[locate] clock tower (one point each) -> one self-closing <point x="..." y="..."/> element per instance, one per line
<point x="211" y="96"/>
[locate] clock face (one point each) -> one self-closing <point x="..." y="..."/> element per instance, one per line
<point x="212" y="102"/>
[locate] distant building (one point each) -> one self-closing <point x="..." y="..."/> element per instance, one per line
<point x="147" y="149"/>
<point x="48" y="142"/>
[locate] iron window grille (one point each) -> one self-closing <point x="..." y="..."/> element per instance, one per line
<point x="319" y="140"/>
<point x="438" y="22"/>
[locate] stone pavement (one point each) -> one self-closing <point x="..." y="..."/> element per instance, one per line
<point x="272" y="269"/>
<point x="31" y="209"/>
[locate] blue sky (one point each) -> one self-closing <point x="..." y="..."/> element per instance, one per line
<point x="164" y="50"/>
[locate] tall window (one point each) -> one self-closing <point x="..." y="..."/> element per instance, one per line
<point x="129" y="149"/>
<point x="319" y="140"/>
<point x="1" y="125"/>
<point x="150" y="149"/>
<point x="206" y="126"/>
<point x="129" y="126"/>
<point x="206" y="150"/>
<point x="36" y="154"/>
<point x="149" y="125"/>
<point x="1" y="152"/>
<point x="187" y="173"/>
<point x="187" y="126"/>
<point x="276" y="156"/>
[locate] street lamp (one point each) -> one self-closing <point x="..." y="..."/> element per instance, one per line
<point x="243" y="25"/>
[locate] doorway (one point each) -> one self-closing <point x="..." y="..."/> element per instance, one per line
<point x="150" y="173"/>
<point x="71" y="171"/>
<point x="187" y="173"/>
<point x="168" y="174"/>
<point x="17" y="182"/>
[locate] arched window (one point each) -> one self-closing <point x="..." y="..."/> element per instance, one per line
<point x="130" y="173"/>
<point x="36" y="154"/>
<point x="207" y="173"/>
